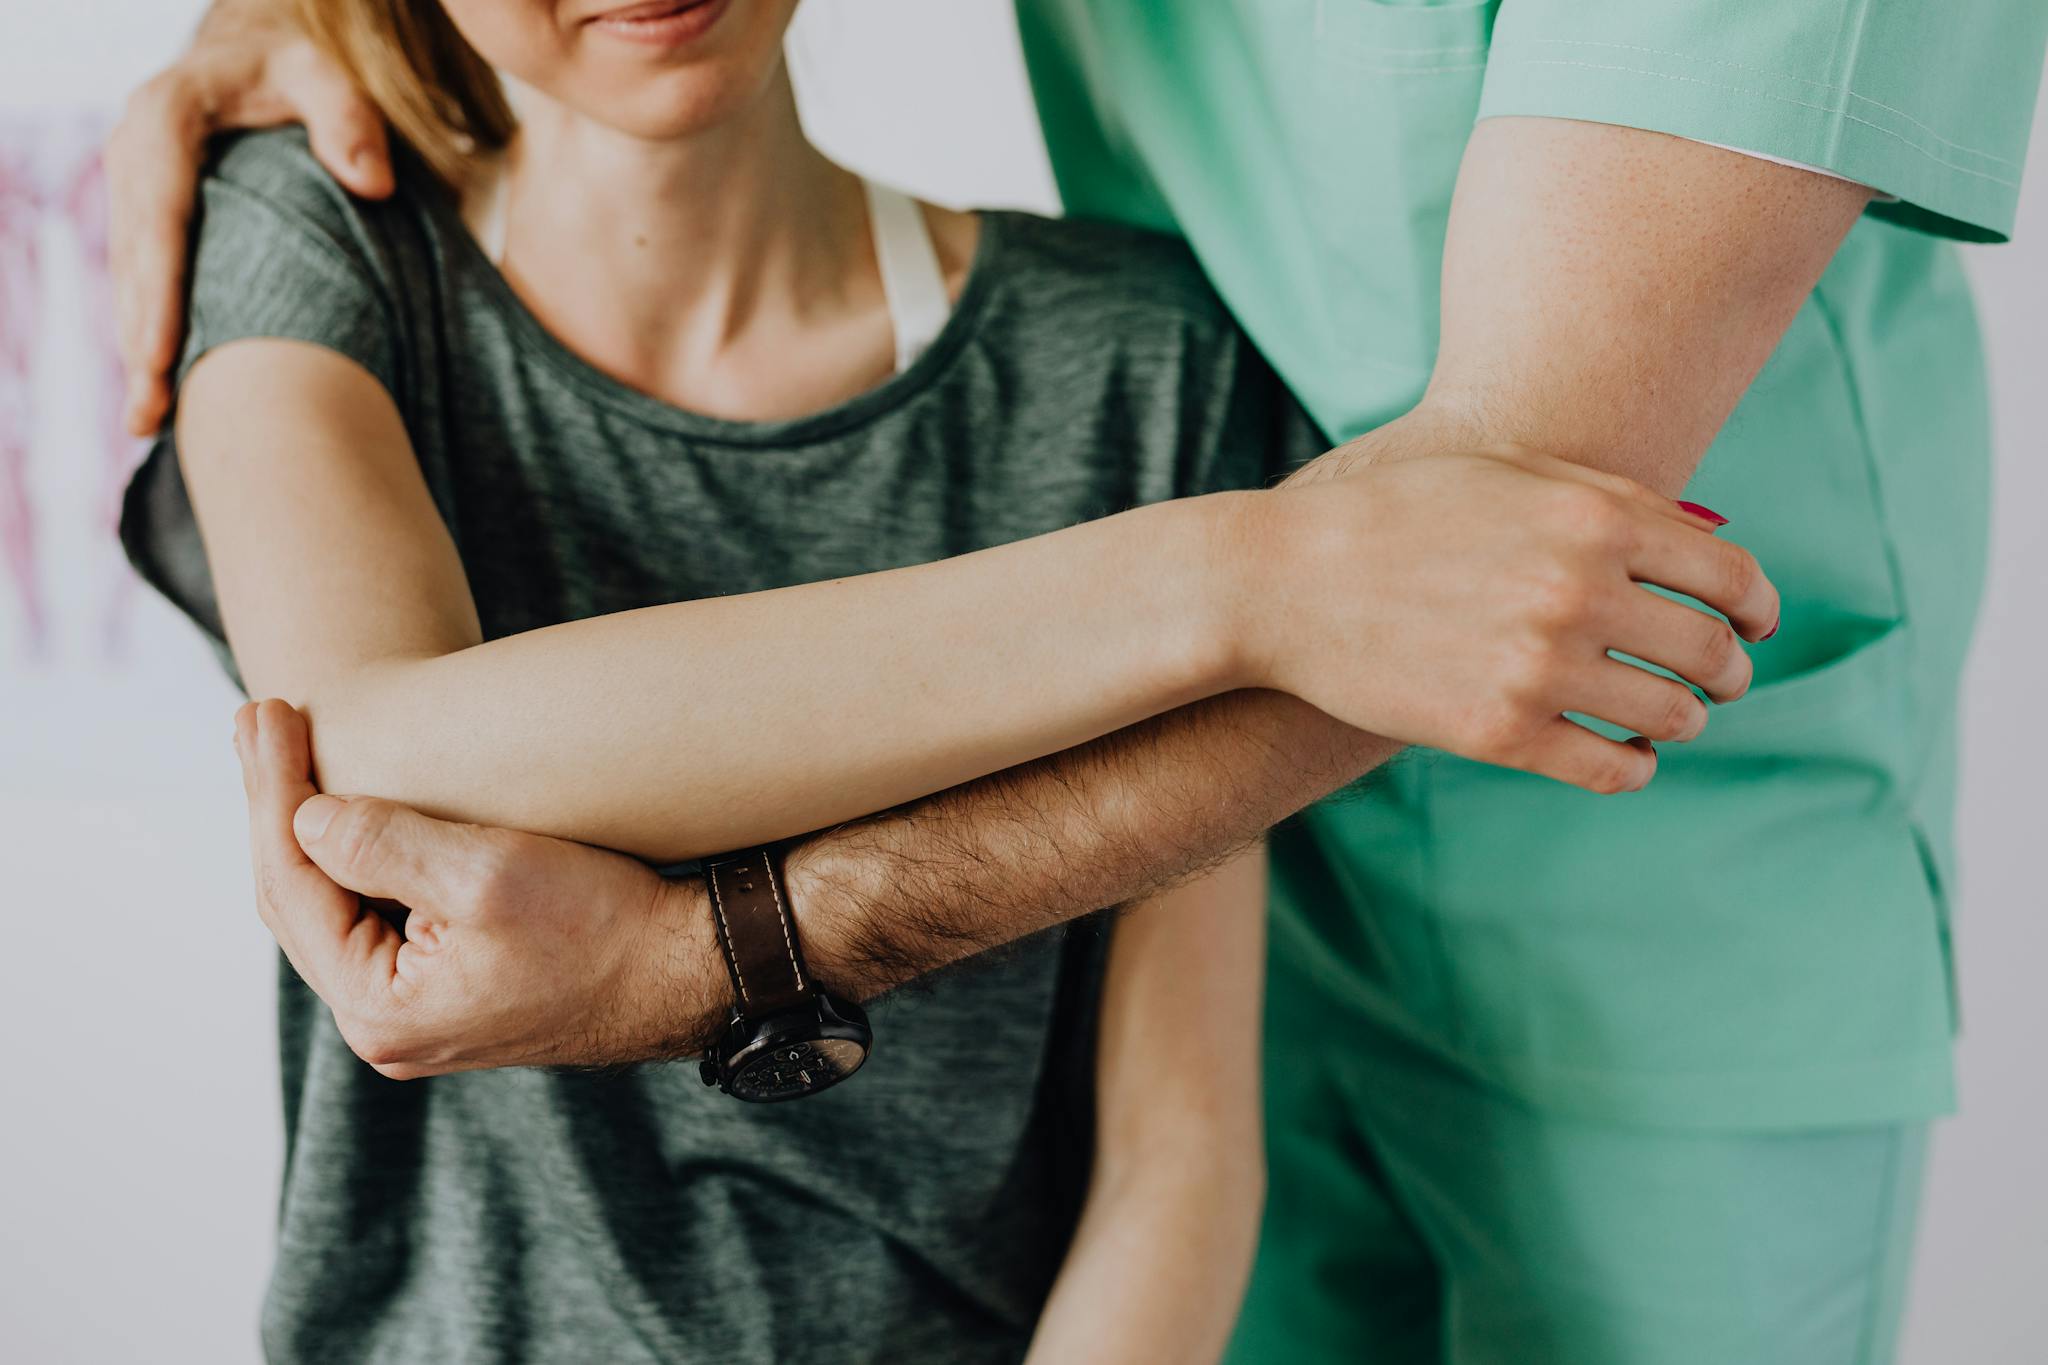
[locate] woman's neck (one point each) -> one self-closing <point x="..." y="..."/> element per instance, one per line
<point x="729" y="272"/>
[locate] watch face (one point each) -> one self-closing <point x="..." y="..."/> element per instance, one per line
<point x="800" y="1067"/>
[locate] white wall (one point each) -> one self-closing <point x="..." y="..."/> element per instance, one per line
<point x="1983" y="1266"/>
<point x="139" y="1133"/>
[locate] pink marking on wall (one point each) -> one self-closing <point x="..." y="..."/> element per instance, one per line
<point x="51" y="176"/>
<point x="21" y="210"/>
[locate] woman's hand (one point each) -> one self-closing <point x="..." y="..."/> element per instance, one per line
<point x="249" y="67"/>
<point x="1467" y="601"/>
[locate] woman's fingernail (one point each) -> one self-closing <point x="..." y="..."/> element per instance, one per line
<point x="1703" y="513"/>
<point x="1772" y="631"/>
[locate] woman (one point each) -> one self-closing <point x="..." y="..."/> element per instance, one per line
<point x="474" y="468"/>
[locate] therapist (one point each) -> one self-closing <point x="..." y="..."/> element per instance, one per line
<point x="1550" y="1078"/>
<point x="1553" y="1078"/>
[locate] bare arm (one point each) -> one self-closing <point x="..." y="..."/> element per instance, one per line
<point x="1608" y="293"/>
<point x="1158" y="1264"/>
<point x="1453" y="661"/>
<point x="675" y="730"/>
<point x="1384" y="598"/>
<point x="1127" y="817"/>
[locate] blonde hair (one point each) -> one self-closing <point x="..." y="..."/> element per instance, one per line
<point x="433" y="88"/>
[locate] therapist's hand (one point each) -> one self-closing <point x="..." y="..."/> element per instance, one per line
<point x="249" y="67"/>
<point x="516" y="950"/>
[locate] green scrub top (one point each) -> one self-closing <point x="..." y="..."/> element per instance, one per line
<point x="1760" y="938"/>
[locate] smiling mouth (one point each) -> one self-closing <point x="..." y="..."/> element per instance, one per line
<point x="663" y="23"/>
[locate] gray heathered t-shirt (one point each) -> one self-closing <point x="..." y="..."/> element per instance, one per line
<point x="916" y="1213"/>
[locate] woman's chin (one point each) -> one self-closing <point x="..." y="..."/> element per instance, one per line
<point x="666" y="107"/>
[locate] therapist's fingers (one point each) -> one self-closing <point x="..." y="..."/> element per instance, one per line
<point x="322" y="927"/>
<point x="245" y="746"/>
<point x="439" y="870"/>
<point x="1699" y="647"/>
<point x="152" y="162"/>
<point x="262" y="75"/>
<point x="343" y="126"/>
<point x="1572" y="753"/>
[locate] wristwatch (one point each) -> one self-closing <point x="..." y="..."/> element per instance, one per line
<point x="787" y="1038"/>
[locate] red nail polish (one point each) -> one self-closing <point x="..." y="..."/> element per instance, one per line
<point x="1772" y="631"/>
<point x="1703" y="513"/>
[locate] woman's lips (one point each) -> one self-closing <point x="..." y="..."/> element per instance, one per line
<point x="663" y="23"/>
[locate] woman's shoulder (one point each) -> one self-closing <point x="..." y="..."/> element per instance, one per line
<point x="283" y="251"/>
<point x="267" y="185"/>
<point x="275" y="165"/>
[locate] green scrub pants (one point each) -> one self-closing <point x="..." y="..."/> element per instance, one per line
<point x="1417" y="1215"/>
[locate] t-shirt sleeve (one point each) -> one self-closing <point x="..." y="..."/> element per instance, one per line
<point x="1926" y="100"/>
<point x="280" y="252"/>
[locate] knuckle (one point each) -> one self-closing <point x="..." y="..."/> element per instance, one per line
<point x="1683" y="715"/>
<point x="268" y="892"/>
<point x="375" y="1042"/>
<point x="1740" y="573"/>
<point x="166" y="104"/>
<point x="1592" y="515"/>
<point x="1494" y="732"/>
<point x="1609" y="775"/>
<point x="1560" y="598"/>
<point x="1717" y="649"/>
<point x="359" y="833"/>
<point x="1529" y="671"/>
<point x="147" y="102"/>
<point x="490" y="872"/>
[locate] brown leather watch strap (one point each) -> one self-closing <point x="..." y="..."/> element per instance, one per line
<point x="751" y="909"/>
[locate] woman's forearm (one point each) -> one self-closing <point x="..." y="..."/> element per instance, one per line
<point x="686" y="729"/>
<point x="1158" y="1264"/>
<point x="674" y="730"/>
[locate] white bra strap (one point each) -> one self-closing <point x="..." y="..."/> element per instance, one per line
<point x="912" y="281"/>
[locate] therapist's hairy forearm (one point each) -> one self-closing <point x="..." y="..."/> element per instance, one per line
<point x="898" y="894"/>
<point x="1609" y="294"/>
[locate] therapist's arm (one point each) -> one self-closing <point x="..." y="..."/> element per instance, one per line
<point x="1609" y="294"/>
